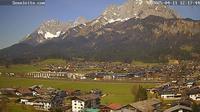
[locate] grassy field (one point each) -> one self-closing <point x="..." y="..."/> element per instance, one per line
<point x="52" y="61"/>
<point x="24" y="68"/>
<point x="13" y="107"/>
<point x="19" y="68"/>
<point x="117" y="92"/>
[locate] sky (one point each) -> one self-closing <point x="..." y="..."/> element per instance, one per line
<point x="18" y="21"/>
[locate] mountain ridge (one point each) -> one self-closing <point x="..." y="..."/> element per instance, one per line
<point x="146" y="37"/>
<point x="80" y="26"/>
<point x="129" y="40"/>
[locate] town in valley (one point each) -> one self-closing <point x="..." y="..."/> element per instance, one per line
<point x="100" y="56"/>
<point x="175" y="86"/>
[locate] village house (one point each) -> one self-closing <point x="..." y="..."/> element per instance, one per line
<point x="48" y="75"/>
<point x="26" y="100"/>
<point x="151" y="105"/>
<point x="58" y="99"/>
<point x="120" y="76"/>
<point x="10" y="74"/>
<point x="40" y="91"/>
<point x="190" y="84"/>
<point x="184" y="101"/>
<point x="170" y="95"/>
<point x="114" y="107"/>
<point x="85" y="101"/>
<point x="179" y="108"/>
<point x="194" y="94"/>
<point x="42" y="104"/>
<point x="159" y="89"/>
<point x="96" y="92"/>
<point x="38" y="103"/>
<point x="108" y="77"/>
<point x="72" y="92"/>
<point x="104" y="108"/>
<point x="35" y="87"/>
<point x="23" y="92"/>
<point x="7" y="91"/>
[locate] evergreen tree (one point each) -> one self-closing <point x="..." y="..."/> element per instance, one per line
<point x="141" y="94"/>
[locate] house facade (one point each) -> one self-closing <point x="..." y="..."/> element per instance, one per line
<point x="80" y="103"/>
<point x="171" y="96"/>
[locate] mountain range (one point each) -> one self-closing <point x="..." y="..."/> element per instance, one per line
<point x="136" y="30"/>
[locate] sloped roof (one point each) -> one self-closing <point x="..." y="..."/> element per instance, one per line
<point x="87" y="97"/>
<point x="146" y="105"/>
<point x="24" y="90"/>
<point x="114" y="106"/>
<point x="195" y="90"/>
<point x="177" y="107"/>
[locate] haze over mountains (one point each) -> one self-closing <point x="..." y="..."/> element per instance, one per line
<point x="135" y="30"/>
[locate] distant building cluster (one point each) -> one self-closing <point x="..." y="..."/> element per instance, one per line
<point x="181" y="94"/>
<point x="55" y="75"/>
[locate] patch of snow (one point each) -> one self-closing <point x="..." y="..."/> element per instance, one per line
<point x="105" y="18"/>
<point x="58" y="33"/>
<point x="96" y="21"/>
<point x="112" y="20"/>
<point x="150" y="2"/>
<point x="40" y="32"/>
<point x="156" y="8"/>
<point x="114" y="14"/>
<point x="75" y="29"/>
<point x="126" y="19"/>
<point x="62" y="33"/>
<point x="49" y="35"/>
<point x="135" y="14"/>
<point x="139" y="2"/>
<point x="119" y="19"/>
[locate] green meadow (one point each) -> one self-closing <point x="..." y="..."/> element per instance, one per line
<point x="116" y="92"/>
<point x="24" y="68"/>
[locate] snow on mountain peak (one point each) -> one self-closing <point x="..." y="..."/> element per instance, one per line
<point x="130" y="9"/>
<point x="137" y="9"/>
<point x="49" y="35"/>
<point x="40" y="32"/>
<point x="139" y="2"/>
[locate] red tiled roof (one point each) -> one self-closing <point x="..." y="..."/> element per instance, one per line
<point x="114" y="106"/>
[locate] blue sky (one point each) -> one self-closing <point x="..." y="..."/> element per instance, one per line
<point x="18" y="21"/>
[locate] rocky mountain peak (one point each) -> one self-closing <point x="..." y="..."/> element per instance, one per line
<point x="130" y="9"/>
<point x="137" y="9"/>
<point x="80" y="20"/>
<point x="51" y="29"/>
